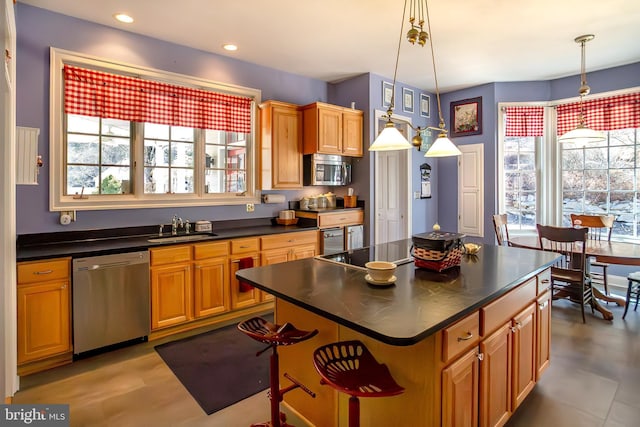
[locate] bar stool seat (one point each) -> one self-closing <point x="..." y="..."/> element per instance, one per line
<point x="350" y="368"/>
<point x="276" y="335"/>
<point x="633" y="291"/>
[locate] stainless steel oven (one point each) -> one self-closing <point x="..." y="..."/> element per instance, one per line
<point x="326" y="169"/>
<point x="332" y="240"/>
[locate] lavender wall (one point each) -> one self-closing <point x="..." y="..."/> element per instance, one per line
<point x="623" y="77"/>
<point x="32" y="61"/>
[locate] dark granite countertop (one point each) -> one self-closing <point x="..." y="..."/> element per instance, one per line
<point x="109" y="241"/>
<point x="419" y="304"/>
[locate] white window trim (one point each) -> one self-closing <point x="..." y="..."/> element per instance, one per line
<point x="60" y="202"/>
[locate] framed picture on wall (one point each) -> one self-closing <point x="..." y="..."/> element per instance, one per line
<point x="387" y="94"/>
<point x="466" y="117"/>
<point x="425" y="105"/>
<point x="407" y="100"/>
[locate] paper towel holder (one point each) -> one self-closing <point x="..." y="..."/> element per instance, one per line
<point x="273" y="198"/>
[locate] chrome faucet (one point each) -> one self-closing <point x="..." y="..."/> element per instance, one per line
<point x="175" y="223"/>
<point x="187" y="226"/>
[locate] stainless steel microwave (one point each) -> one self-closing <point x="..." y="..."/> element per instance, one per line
<point x="326" y="169"/>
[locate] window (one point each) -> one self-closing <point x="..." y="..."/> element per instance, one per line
<point x="541" y="182"/>
<point x="128" y="137"/>
<point x="602" y="179"/>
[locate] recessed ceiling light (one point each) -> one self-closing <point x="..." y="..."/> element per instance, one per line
<point x="123" y="17"/>
<point x="230" y="47"/>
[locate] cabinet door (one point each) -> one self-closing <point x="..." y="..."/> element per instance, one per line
<point x="460" y="392"/>
<point x="352" y="133"/>
<point x="329" y="131"/>
<point x="543" y="331"/>
<point x="495" y="378"/>
<point x="211" y="292"/>
<point x="524" y="354"/>
<point x="301" y="252"/>
<point x="242" y="297"/>
<point x="286" y="140"/>
<point x="44" y="320"/>
<point x="171" y="299"/>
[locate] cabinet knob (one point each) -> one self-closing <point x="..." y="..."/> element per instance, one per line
<point x="545" y="280"/>
<point x="467" y="338"/>
<point x="542" y="305"/>
<point x="480" y="356"/>
<point x="64" y="287"/>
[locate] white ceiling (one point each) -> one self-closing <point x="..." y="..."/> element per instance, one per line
<point x="475" y="41"/>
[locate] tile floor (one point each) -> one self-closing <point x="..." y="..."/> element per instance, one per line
<point x="593" y="380"/>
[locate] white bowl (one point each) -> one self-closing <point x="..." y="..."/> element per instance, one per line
<point x="380" y="271"/>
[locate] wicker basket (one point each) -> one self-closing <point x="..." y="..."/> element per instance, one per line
<point x="437" y="251"/>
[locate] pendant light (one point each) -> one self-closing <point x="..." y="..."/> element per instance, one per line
<point x="390" y="138"/>
<point x="582" y="135"/>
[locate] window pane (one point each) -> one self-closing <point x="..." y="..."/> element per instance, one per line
<point x="82" y="176"/>
<point x="572" y="159"/>
<point x="572" y="201"/>
<point x="621" y="179"/>
<point x="622" y="157"/>
<point x="82" y="149"/>
<point x="116" y="127"/>
<point x="527" y="161"/>
<point x="116" y="151"/>
<point x="214" y="181"/>
<point x="596" y="158"/>
<point x="595" y="201"/>
<point x="156" y="153"/>
<point x="528" y="181"/>
<point x="572" y="180"/>
<point x="155" y="131"/>
<point x="115" y="180"/>
<point x="82" y="124"/>
<point x="510" y="161"/>
<point x="156" y="180"/>
<point x="182" y="134"/>
<point x="181" y="180"/>
<point x="182" y="154"/>
<point x="596" y="180"/>
<point x="511" y="182"/>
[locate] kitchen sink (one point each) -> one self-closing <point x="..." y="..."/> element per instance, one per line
<point x="182" y="238"/>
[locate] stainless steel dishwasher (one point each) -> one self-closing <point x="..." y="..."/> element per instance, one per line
<point x="111" y="300"/>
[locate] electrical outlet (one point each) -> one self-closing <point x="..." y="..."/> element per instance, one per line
<point x="250" y="207"/>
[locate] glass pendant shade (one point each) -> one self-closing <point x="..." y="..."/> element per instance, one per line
<point x="582" y="135"/>
<point x="390" y="139"/>
<point x="443" y="147"/>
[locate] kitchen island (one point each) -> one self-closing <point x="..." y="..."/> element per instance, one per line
<point x="430" y="328"/>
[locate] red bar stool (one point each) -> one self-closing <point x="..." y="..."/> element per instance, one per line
<point x="275" y="335"/>
<point x="349" y="367"/>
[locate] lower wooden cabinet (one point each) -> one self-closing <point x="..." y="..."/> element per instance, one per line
<point x="243" y="295"/>
<point x="171" y="295"/>
<point x="460" y="391"/>
<point x="44" y="311"/>
<point x="211" y="295"/>
<point x="495" y="377"/>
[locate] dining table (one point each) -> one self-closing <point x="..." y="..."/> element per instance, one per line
<point x="622" y="253"/>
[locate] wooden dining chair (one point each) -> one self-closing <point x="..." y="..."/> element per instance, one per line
<point x="500" y="227"/>
<point x="600" y="227"/>
<point x="568" y="274"/>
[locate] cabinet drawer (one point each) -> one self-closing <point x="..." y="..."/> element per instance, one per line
<point x="544" y="281"/>
<point x="289" y="239"/>
<point x="211" y="250"/>
<point x="170" y="255"/>
<point x="460" y="337"/>
<point x="340" y="218"/>
<point x="43" y="271"/>
<point x="242" y="246"/>
<point x="504" y="308"/>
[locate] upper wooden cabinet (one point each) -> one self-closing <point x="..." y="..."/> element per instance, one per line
<point x="281" y="145"/>
<point x="331" y="129"/>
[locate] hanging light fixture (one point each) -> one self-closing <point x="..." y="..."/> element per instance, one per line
<point x="582" y="134"/>
<point x="390" y="138"/>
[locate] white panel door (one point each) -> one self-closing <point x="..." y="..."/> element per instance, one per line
<point x="471" y="190"/>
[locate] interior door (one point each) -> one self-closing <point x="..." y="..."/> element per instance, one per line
<point x="392" y="187"/>
<point x="471" y="190"/>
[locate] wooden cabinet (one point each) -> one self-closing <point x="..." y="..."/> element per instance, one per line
<point x="543" y="333"/>
<point x="241" y="251"/>
<point x="281" y="146"/>
<point x="44" y="311"/>
<point x="495" y="377"/>
<point x="211" y="279"/>
<point x="287" y="247"/>
<point x="460" y="392"/>
<point x="171" y="286"/>
<point x="331" y="129"/>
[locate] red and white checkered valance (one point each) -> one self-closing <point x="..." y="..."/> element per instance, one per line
<point x="99" y="94"/>
<point x="611" y="113"/>
<point x="524" y="121"/>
